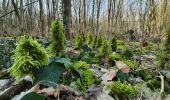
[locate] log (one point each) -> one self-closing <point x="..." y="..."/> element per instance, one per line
<point x="15" y="89"/>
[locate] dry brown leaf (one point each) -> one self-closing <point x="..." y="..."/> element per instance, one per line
<point x="122" y="66"/>
<point x="72" y="53"/>
<point x="109" y="76"/>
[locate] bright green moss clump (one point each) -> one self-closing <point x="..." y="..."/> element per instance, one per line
<point x="123" y="91"/>
<point x="79" y="41"/>
<point x="29" y="55"/>
<point x="57" y="45"/>
<point x="105" y="49"/>
<point x="87" y="75"/>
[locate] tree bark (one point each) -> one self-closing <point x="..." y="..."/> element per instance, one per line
<point x="84" y="16"/>
<point x="41" y="21"/>
<point x="98" y="14"/>
<point x="67" y="22"/>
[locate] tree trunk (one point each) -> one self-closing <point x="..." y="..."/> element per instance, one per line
<point x="67" y="22"/>
<point x="41" y="23"/>
<point x="93" y="16"/>
<point x="98" y="14"/>
<point x="84" y="7"/>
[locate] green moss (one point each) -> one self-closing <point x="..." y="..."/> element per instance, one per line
<point x="145" y="74"/>
<point x="81" y="65"/>
<point x="135" y="44"/>
<point x="127" y="54"/>
<point x="120" y="49"/>
<point x="95" y="41"/>
<point x="89" y="39"/>
<point x="99" y="42"/>
<point x="123" y="91"/>
<point x="164" y="54"/>
<point x="154" y="83"/>
<point x="120" y="42"/>
<point x="114" y="44"/>
<point x="113" y="58"/>
<point x="79" y="41"/>
<point x="161" y="59"/>
<point x="87" y="75"/>
<point x="29" y="55"/>
<point x="131" y="64"/>
<point x="105" y="49"/>
<point x="57" y="45"/>
<point x="166" y="58"/>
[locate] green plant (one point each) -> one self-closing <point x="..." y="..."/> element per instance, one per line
<point x="154" y="83"/>
<point x="120" y="49"/>
<point x="78" y="41"/>
<point x="131" y="64"/>
<point x="120" y="42"/>
<point x="81" y="65"/>
<point x="145" y="74"/>
<point x="105" y="49"/>
<point x="57" y="45"/>
<point x="99" y="42"/>
<point x="95" y="41"/>
<point x="123" y="91"/>
<point x="167" y="50"/>
<point x="113" y="58"/>
<point x="29" y="55"/>
<point x="161" y="58"/>
<point x="127" y="54"/>
<point x="164" y="54"/>
<point x="114" y="44"/>
<point x="87" y="75"/>
<point x="89" y="39"/>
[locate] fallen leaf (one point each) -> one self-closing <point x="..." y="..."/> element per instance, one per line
<point x="122" y="66"/>
<point x="108" y="76"/>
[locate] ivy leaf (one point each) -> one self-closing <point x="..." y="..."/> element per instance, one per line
<point x="65" y="61"/>
<point x="51" y="72"/>
<point x="32" y="95"/>
<point x="122" y="76"/>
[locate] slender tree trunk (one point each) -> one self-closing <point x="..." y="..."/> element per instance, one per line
<point x="84" y="16"/>
<point x="15" y="5"/>
<point x="41" y="18"/>
<point x="67" y="17"/>
<point x="93" y="16"/>
<point x="109" y="13"/>
<point x="98" y="15"/>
